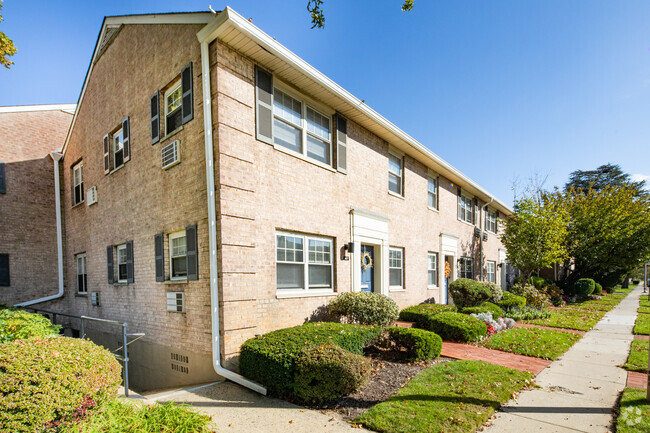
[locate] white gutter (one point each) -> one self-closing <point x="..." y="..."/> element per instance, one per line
<point x="212" y="228"/>
<point x="485" y="209"/>
<point x="56" y="157"/>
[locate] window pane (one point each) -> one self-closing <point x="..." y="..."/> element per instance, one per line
<point x="178" y="246"/>
<point x="432" y="200"/>
<point x="286" y="107"/>
<point x="394" y="183"/>
<point x="174" y="121"/>
<point x="394" y="164"/>
<point x="320" y="275"/>
<point x="179" y="266"/>
<point x="432" y="185"/>
<point x="317" y="149"/>
<point x="396" y="277"/>
<point x="174" y="99"/>
<point x="122" y="272"/>
<point x="318" y="124"/>
<point x="290" y="276"/>
<point x="287" y="136"/>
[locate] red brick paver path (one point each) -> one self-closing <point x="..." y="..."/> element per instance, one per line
<point x="642" y="337"/>
<point x="403" y="324"/>
<point x="530" y="325"/>
<point x="510" y="360"/>
<point x="636" y="379"/>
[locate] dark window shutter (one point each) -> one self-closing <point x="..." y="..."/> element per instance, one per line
<point x="3" y="182"/>
<point x="474" y="213"/>
<point x="155" y="117"/>
<point x="107" y="154"/>
<point x="264" y="103"/>
<point x="496" y="223"/>
<point x="191" y="245"/>
<point x="188" y="99"/>
<point x="109" y="262"/>
<point x="159" y="250"/>
<point x="342" y="144"/>
<point x="129" y="262"/>
<point x="4" y="270"/>
<point x="126" y="133"/>
<point x="459" y="192"/>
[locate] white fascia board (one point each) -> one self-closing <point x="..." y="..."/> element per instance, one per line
<point x="228" y="18"/>
<point x="68" y="108"/>
<point x="113" y="21"/>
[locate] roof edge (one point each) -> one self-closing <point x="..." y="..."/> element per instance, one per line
<point x="68" y="108"/>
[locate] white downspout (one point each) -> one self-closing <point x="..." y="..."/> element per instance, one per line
<point x="56" y="157"/>
<point x="483" y="228"/>
<point x="212" y="229"/>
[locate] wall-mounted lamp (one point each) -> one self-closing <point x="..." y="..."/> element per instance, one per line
<point x="348" y="248"/>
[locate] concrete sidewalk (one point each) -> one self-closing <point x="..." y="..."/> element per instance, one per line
<point x="579" y="390"/>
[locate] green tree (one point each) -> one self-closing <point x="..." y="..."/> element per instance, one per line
<point x="535" y="236"/>
<point x="315" y="9"/>
<point x="600" y="178"/>
<point x="7" y="47"/>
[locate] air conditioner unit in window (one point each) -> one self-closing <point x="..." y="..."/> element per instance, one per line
<point x="94" y="298"/>
<point x="485" y="236"/>
<point x="175" y="302"/>
<point x="171" y="154"/>
<point x="91" y="196"/>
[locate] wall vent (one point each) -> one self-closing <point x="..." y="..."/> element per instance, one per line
<point x="94" y="298"/>
<point x="171" y="154"/>
<point x="175" y="302"/>
<point x="91" y="196"/>
<point x="485" y="237"/>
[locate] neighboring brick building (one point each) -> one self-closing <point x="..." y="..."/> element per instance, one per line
<point x="28" y="251"/>
<point x="303" y="182"/>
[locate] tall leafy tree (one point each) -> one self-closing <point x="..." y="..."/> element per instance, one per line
<point x="602" y="177"/>
<point x="7" y="48"/>
<point x="315" y="9"/>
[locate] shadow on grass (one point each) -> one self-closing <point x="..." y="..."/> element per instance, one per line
<point x="445" y="398"/>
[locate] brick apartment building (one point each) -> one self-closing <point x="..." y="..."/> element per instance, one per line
<point x="216" y="187"/>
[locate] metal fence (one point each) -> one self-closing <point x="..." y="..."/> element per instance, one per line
<point x="124" y="357"/>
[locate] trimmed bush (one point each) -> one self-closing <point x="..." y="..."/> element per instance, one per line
<point x="457" y="327"/>
<point x="537" y="282"/>
<point x="468" y="293"/>
<point x="270" y="358"/>
<point x="44" y="381"/>
<point x="327" y="372"/>
<point x="420" y="314"/>
<point x="364" y="308"/>
<point x="583" y="288"/>
<point x="18" y="324"/>
<point x="534" y="297"/>
<point x="511" y="300"/>
<point x="495" y="290"/>
<point x="598" y="290"/>
<point x="485" y="307"/>
<point x="421" y="345"/>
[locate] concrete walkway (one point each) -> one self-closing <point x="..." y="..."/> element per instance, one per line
<point x="579" y="390"/>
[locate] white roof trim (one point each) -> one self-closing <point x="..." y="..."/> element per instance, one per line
<point x="228" y="19"/>
<point x="172" y="18"/>
<point x="68" y="108"/>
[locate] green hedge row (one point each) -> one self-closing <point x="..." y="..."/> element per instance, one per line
<point x="420" y="345"/>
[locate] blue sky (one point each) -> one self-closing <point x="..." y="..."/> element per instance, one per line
<point x="502" y="90"/>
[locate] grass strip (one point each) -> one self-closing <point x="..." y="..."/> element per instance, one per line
<point x="592" y="305"/>
<point x="642" y="325"/>
<point x="454" y="397"/>
<point x="638" y="359"/>
<point x="540" y="343"/>
<point x="581" y="320"/>
<point x="644" y="303"/>
<point x="634" y="412"/>
<point x="645" y="310"/>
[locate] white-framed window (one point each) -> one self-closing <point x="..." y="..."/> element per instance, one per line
<point x="491" y="221"/>
<point x="77" y="183"/>
<point x="396" y="267"/>
<point x="121" y="264"/>
<point x="118" y="148"/>
<point x="491" y="271"/>
<point x="432" y="266"/>
<point x="173" y="107"/>
<point x="178" y="256"/>
<point x="466" y="268"/>
<point x="299" y="127"/>
<point x="303" y="262"/>
<point x="432" y="192"/>
<point x="395" y="173"/>
<point x="465" y="209"/>
<point x="82" y="279"/>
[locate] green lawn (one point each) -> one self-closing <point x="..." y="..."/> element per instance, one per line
<point x="642" y="326"/>
<point x="582" y="320"/>
<point x="645" y="310"/>
<point x="593" y="305"/>
<point x="452" y="397"/>
<point x="644" y="303"/>
<point x="540" y="343"/>
<point x="634" y="413"/>
<point x="638" y="359"/>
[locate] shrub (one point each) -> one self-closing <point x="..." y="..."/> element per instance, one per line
<point x="534" y="297"/>
<point x="326" y="372"/>
<point x="582" y="288"/>
<point x="554" y="294"/>
<point x="494" y="325"/>
<point x="537" y="282"/>
<point x="485" y="307"/>
<point x="364" y="308"/>
<point x="18" y="324"/>
<point x="598" y="289"/>
<point x="421" y="345"/>
<point x="526" y="313"/>
<point x="511" y="300"/>
<point x="420" y="314"/>
<point x="457" y="327"/>
<point x="44" y="381"/>
<point x="468" y="293"/>
<point x="270" y="358"/>
<point x="495" y="290"/>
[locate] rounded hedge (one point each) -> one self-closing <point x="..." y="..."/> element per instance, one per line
<point x="270" y="359"/>
<point x="457" y="327"/>
<point x="364" y="308"/>
<point x="510" y="300"/>
<point x="485" y="307"/>
<point x="420" y="345"/>
<point x="583" y="288"/>
<point x="468" y="293"/>
<point x="44" y="381"/>
<point x="420" y="314"/>
<point x="327" y="372"/>
<point x="18" y="324"/>
<point x="598" y="290"/>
